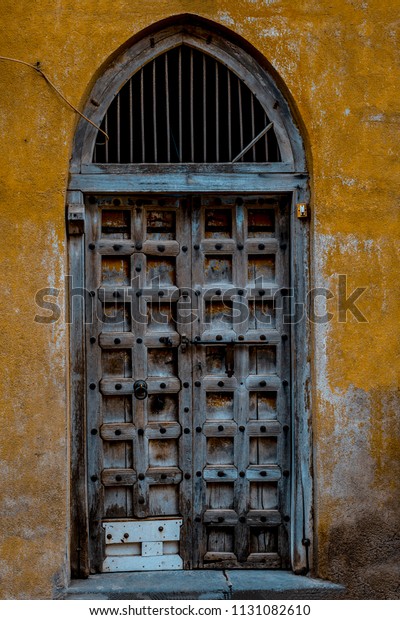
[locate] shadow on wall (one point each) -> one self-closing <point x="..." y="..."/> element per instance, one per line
<point x="364" y="555"/>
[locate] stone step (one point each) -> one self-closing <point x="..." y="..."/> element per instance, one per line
<point x="202" y="585"/>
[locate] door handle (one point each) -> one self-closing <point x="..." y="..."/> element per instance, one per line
<point x="140" y="389"/>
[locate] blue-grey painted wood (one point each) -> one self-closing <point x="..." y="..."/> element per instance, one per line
<point x="180" y="182"/>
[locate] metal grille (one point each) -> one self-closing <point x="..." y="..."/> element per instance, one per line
<point x="185" y="106"/>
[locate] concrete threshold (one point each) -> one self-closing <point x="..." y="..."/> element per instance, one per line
<point x="202" y="585"/>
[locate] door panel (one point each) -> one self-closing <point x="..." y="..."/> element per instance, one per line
<point x="185" y="297"/>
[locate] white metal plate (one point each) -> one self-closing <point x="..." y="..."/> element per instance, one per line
<point x="114" y="564"/>
<point x="142" y="531"/>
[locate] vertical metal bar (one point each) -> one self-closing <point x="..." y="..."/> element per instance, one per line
<point x="253" y="126"/>
<point x="180" y="101"/>
<point x="155" y="112"/>
<point x="266" y="139"/>
<point x="167" y="109"/>
<point x="229" y="115"/>
<point x="240" y="113"/>
<point x="118" y="129"/>
<point x="191" y="108"/>
<point x="142" y="115"/>
<point x="216" y="112"/>
<point x="204" y="108"/>
<point x="106" y="130"/>
<point x="130" y="122"/>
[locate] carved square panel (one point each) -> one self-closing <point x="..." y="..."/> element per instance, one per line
<point x="115" y="224"/>
<point x="262" y="406"/>
<point x="263" y="495"/>
<point x="218" y="269"/>
<point x="115" y="270"/>
<point x="161" y="225"/>
<point x="261" y="222"/>
<point x="219" y="405"/>
<point x="160" y="271"/>
<point x="218" y="224"/>
<point x="163" y="453"/>
<point x="219" y="451"/>
<point x="262" y="360"/>
<point x="261" y="268"/>
<point x="263" y="450"/>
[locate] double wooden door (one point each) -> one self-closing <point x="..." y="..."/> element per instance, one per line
<point x="188" y="381"/>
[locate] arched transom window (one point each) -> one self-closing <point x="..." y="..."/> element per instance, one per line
<point x="185" y="106"/>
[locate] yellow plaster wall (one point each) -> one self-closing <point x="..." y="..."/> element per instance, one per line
<point x="338" y="61"/>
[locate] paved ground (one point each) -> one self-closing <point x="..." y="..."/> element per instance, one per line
<point x="202" y="584"/>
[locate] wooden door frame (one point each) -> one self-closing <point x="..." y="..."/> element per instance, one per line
<point x="289" y="175"/>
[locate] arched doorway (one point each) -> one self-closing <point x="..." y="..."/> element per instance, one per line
<point x="189" y="378"/>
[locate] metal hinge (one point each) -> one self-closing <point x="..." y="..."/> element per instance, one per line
<point x="76" y="219"/>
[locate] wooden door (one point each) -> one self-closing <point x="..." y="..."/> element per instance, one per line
<point x="188" y="381"/>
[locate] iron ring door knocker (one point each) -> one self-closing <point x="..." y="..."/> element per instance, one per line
<point x="140" y="389"/>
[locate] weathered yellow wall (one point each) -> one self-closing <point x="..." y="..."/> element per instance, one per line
<point x="338" y="60"/>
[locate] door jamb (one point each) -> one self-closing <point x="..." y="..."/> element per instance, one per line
<point x="301" y="539"/>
